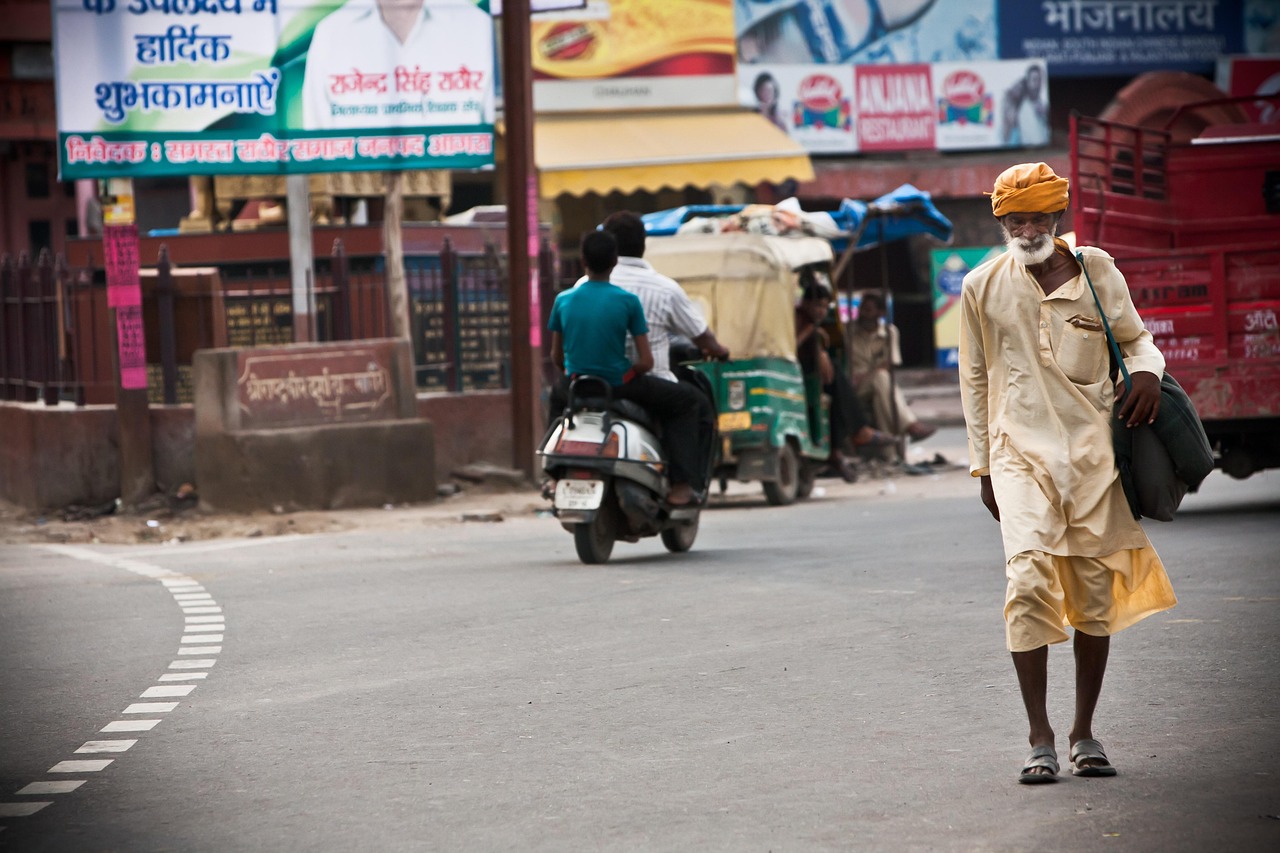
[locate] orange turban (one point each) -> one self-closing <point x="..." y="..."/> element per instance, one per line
<point x="1029" y="188"/>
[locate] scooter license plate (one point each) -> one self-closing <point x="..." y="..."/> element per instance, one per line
<point x="579" y="494"/>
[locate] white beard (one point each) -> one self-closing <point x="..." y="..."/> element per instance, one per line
<point x="1029" y="253"/>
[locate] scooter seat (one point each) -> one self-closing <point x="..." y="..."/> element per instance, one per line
<point x="633" y="411"/>
<point x="628" y="409"/>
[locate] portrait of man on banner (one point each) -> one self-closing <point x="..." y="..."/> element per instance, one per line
<point x="400" y="63"/>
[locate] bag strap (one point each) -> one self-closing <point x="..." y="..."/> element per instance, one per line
<point x="1111" y="339"/>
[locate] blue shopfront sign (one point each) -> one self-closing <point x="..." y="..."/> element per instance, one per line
<point x="1121" y="37"/>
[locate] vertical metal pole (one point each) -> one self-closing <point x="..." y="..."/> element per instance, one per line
<point x="48" y="329"/>
<point x="451" y="322"/>
<point x="166" y="320"/>
<point x="517" y="88"/>
<point x="6" y="338"/>
<point x="298" y="210"/>
<point x="342" y="299"/>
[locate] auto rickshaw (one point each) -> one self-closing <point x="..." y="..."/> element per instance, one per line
<point x="772" y="417"/>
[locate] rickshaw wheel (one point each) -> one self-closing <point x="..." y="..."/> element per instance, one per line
<point x="784" y="490"/>
<point x="679" y="538"/>
<point x="808" y="475"/>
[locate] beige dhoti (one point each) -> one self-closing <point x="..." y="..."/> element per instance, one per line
<point x="1097" y="595"/>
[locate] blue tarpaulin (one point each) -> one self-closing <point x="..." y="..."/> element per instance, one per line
<point x="892" y="216"/>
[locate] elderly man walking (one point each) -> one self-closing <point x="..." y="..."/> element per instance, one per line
<point x="1038" y="397"/>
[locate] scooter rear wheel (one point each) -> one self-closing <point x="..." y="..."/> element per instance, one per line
<point x="594" y="539"/>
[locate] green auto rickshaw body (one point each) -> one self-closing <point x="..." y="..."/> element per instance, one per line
<point x="772" y="417"/>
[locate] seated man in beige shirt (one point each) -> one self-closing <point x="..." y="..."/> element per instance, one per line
<point x="874" y="352"/>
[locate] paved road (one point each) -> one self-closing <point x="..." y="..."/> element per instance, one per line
<point x="822" y="677"/>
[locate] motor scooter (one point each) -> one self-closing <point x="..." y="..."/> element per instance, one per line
<point x="611" y="474"/>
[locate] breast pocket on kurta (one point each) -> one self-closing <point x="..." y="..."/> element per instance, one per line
<point x="1082" y="350"/>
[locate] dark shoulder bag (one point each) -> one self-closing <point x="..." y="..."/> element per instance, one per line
<point x="1162" y="461"/>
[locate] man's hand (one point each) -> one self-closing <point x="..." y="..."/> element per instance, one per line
<point x="710" y="346"/>
<point x="1142" y="401"/>
<point x="989" y="497"/>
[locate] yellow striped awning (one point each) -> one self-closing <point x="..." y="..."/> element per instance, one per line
<point x="579" y="154"/>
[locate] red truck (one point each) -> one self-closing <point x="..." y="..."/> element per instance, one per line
<point x="1195" y="228"/>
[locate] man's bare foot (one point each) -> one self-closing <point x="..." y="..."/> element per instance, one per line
<point x="920" y="430"/>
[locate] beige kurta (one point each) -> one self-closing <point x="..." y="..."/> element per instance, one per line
<point x="1037" y="400"/>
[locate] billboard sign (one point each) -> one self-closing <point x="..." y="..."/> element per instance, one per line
<point x="947" y="106"/>
<point x="896" y="111"/>
<point x="634" y="54"/>
<point x="864" y="32"/>
<point x="188" y="87"/>
<point x="986" y="105"/>
<point x="812" y="103"/>
<point x="1121" y="37"/>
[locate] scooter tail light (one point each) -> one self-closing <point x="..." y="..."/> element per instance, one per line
<point x="610" y="447"/>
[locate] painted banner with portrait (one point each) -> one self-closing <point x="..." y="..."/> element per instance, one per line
<point x="204" y="87"/>
<point x="1121" y="37"/>
<point x="634" y="55"/>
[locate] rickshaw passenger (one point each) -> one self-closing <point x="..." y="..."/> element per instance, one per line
<point x="589" y="326"/>
<point x="849" y="424"/>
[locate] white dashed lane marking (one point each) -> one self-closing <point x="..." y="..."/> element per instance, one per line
<point x="166" y="691"/>
<point x="150" y="708"/>
<point x="21" y="809"/>
<point x="204" y="624"/>
<point x="86" y="766"/>
<point x="106" y="746"/>
<point x="45" y="788"/>
<point x="130" y="725"/>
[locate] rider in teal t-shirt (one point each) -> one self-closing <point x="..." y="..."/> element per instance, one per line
<point x="594" y="320"/>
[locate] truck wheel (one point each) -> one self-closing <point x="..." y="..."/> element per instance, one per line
<point x="782" y="491"/>
<point x="594" y="539"/>
<point x="679" y="538"/>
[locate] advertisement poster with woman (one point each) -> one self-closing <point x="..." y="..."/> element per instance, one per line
<point x="812" y="103"/>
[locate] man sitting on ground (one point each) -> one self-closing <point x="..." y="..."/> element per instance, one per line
<point x="874" y="352"/>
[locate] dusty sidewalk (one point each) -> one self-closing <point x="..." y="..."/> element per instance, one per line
<point x="174" y="522"/>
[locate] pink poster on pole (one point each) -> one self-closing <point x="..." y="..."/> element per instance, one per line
<point x="120" y="247"/>
<point x="133" y="349"/>
<point x="535" y="297"/>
